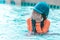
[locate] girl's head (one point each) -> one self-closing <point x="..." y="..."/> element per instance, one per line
<point x="40" y="11"/>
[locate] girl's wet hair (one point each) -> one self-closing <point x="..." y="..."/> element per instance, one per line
<point x="44" y="18"/>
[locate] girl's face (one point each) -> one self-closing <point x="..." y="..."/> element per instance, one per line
<point x="36" y="16"/>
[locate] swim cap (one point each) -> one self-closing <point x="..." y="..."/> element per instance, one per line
<point x="42" y="8"/>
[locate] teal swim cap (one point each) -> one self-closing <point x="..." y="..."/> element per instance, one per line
<point x="42" y="8"/>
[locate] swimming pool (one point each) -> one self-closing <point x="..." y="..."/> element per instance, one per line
<point x="13" y="24"/>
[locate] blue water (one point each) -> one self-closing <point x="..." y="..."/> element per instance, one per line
<point x="13" y="24"/>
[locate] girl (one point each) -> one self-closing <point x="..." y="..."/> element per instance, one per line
<point x="38" y="23"/>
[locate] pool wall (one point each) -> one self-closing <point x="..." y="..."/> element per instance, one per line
<point x="54" y="4"/>
<point x="14" y="2"/>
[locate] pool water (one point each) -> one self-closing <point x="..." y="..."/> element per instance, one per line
<point x="13" y="24"/>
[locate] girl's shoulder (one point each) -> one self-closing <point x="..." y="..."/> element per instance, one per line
<point x="47" y="21"/>
<point x="29" y="19"/>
